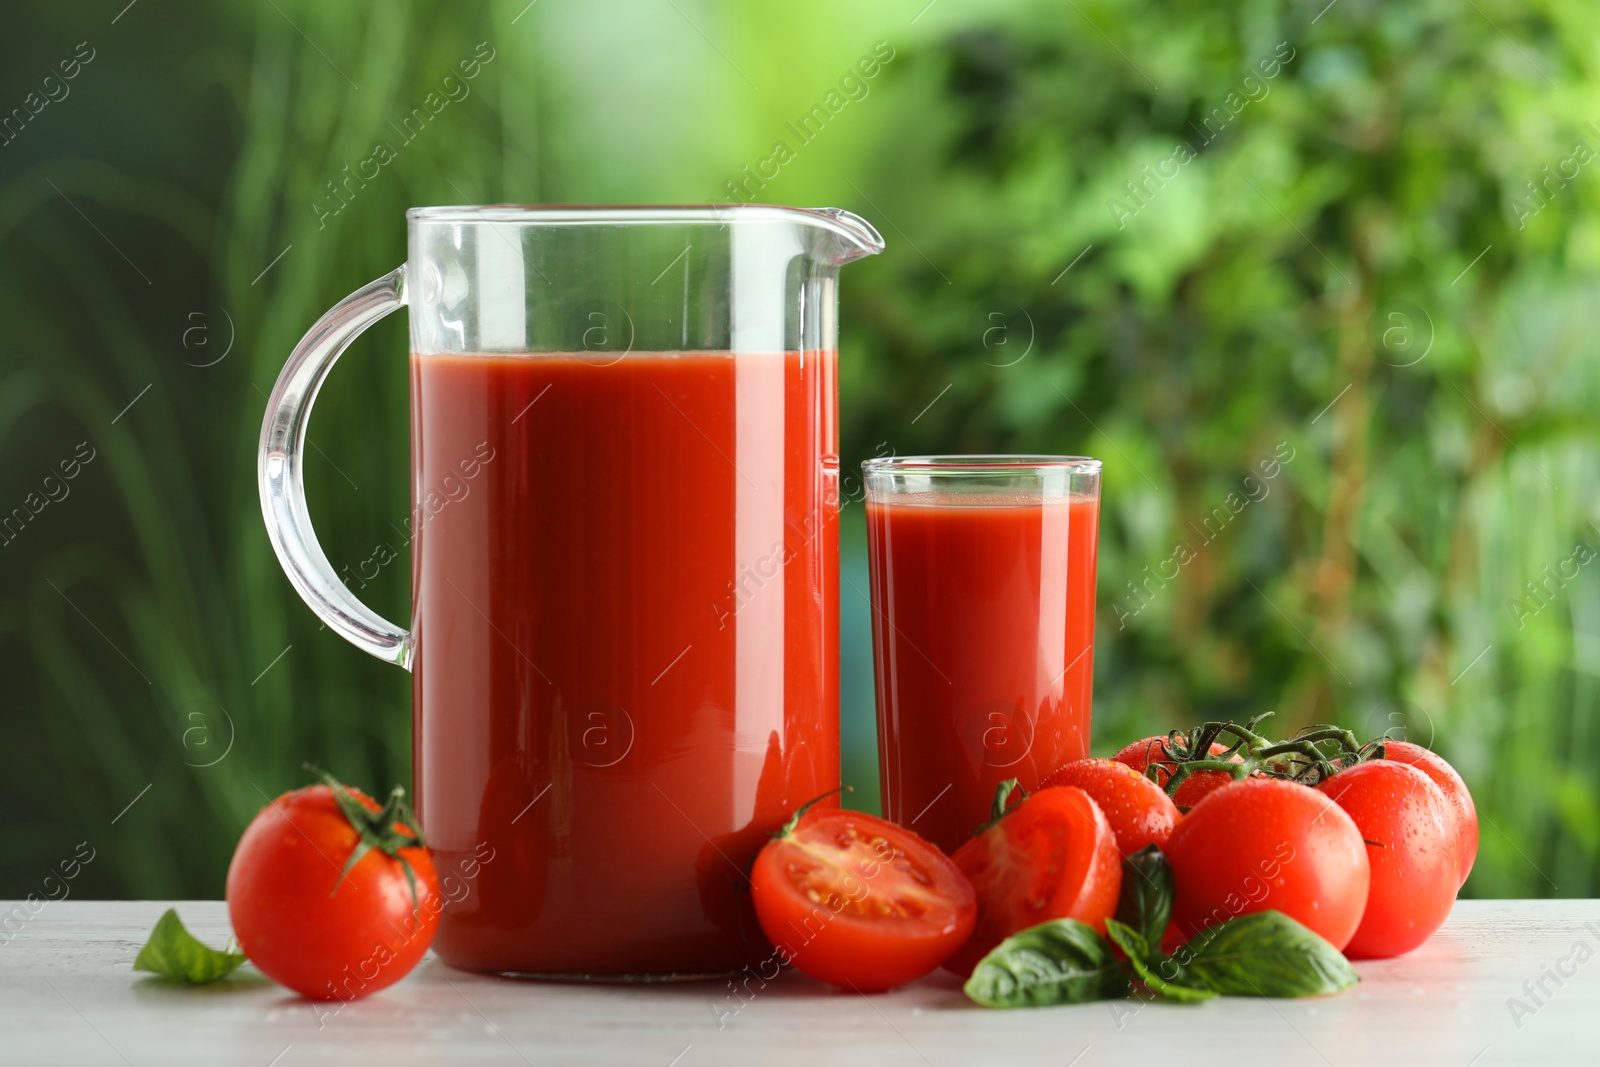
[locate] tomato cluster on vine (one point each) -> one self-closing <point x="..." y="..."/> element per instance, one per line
<point x="1358" y="847"/>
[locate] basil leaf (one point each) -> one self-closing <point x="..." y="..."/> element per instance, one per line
<point x="1161" y="974"/>
<point x="1266" y="954"/>
<point x="1058" y="962"/>
<point x="1147" y="892"/>
<point x="173" y="951"/>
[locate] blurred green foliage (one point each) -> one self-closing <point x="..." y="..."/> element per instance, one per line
<point x="1202" y="241"/>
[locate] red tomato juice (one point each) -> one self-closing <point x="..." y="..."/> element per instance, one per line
<point x="983" y="636"/>
<point x="626" y="668"/>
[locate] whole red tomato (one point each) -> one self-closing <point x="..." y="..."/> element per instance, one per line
<point x="1139" y="812"/>
<point x="319" y="893"/>
<point x="1193" y="788"/>
<point x="1267" y="844"/>
<point x="1404" y="822"/>
<point x="1052" y="856"/>
<point x="858" y="902"/>
<point x="1461" y="813"/>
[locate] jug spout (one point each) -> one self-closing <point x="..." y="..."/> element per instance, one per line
<point x="843" y="237"/>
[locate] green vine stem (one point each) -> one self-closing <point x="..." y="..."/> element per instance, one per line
<point x="1312" y="755"/>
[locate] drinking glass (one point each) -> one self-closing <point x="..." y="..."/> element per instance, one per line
<point x="983" y="593"/>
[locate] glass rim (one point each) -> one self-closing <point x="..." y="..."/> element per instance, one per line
<point x="841" y="222"/>
<point x="981" y="463"/>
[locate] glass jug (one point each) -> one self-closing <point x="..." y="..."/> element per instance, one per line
<point x="625" y="505"/>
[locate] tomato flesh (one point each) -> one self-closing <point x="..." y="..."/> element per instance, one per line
<point x="1403" y="819"/>
<point x="1053" y="856"/>
<point x="860" y="903"/>
<point x="1267" y="844"/>
<point x="1139" y="811"/>
<point x="326" y="937"/>
<point x="1461" y="813"/>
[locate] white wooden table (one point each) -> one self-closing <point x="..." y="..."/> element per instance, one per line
<point x="68" y="996"/>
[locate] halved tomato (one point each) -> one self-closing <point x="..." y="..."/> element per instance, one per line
<point x="860" y="903"/>
<point x="1051" y="856"/>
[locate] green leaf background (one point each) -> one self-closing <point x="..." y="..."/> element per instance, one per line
<point x="1349" y="273"/>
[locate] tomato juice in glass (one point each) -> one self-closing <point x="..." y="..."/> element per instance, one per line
<point x="634" y="597"/>
<point x="983" y="593"/>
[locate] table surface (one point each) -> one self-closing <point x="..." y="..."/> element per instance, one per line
<point x="68" y="995"/>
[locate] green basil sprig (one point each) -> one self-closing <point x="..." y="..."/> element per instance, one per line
<point x="173" y="952"/>
<point x="1058" y="962"/>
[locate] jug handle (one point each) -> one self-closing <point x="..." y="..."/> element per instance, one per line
<point x="283" y="494"/>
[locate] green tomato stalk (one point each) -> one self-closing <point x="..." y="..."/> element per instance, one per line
<point x="387" y="830"/>
<point x="1313" y="754"/>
